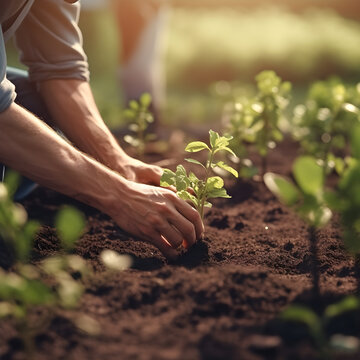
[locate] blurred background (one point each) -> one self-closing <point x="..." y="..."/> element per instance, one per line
<point x="213" y="48"/>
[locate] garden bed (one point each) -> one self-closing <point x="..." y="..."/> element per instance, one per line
<point x="220" y="300"/>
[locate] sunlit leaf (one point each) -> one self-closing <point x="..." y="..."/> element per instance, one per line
<point x="114" y="261"/>
<point x="308" y="175"/>
<point x="145" y="100"/>
<point x="70" y="224"/>
<point x="196" y="146"/>
<point x="228" y="168"/>
<point x="168" y="178"/>
<point x="282" y="188"/>
<point x="193" y="161"/>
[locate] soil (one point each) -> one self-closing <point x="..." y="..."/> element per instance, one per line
<point x="220" y="300"/>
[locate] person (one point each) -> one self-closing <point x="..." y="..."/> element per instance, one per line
<point x="142" y="29"/>
<point x="89" y="166"/>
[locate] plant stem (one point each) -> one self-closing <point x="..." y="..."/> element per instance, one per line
<point x="207" y="173"/>
<point x="315" y="261"/>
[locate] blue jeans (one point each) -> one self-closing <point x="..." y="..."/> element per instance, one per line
<point x="29" y="98"/>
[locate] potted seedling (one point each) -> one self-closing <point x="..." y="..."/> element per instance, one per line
<point x="140" y="117"/>
<point x="307" y="198"/>
<point x="199" y="190"/>
<point x="322" y="125"/>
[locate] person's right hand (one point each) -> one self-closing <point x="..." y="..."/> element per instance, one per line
<point x="157" y="216"/>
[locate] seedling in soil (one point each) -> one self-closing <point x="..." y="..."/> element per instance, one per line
<point x="323" y="124"/>
<point x="268" y="106"/>
<point x="23" y="288"/>
<point x="345" y="200"/>
<point x="140" y="118"/>
<point x="240" y="128"/>
<point x="317" y="326"/>
<point x="190" y="187"/>
<point x="307" y="198"/>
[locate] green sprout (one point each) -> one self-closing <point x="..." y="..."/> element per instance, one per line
<point x="322" y="125"/>
<point x="317" y="325"/>
<point x="240" y="128"/>
<point x="140" y="118"/>
<point x="209" y="187"/>
<point x="257" y="120"/>
<point x="307" y="198"/>
<point x="268" y="106"/>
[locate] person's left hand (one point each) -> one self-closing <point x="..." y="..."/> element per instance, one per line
<point x="140" y="172"/>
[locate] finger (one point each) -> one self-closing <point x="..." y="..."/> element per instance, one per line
<point x="172" y="235"/>
<point x="165" y="248"/>
<point x="192" y="215"/>
<point x="185" y="227"/>
<point x="154" y="174"/>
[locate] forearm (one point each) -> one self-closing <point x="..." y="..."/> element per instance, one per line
<point x="74" y="111"/>
<point x="36" y="151"/>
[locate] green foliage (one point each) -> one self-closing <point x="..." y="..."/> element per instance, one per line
<point x="346" y="198"/>
<point x="15" y="230"/>
<point x="317" y="325"/>
<point x="257" y="120"/>
<point x="323" y="124"/>
<point x="140" y="118"/>
<point x="70" y="224"/>
<point x="190" y="187"/>
<point x="307" y="196"/>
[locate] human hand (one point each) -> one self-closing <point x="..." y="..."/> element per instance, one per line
<point x="157" y="216"/>
<point x="140" y="172"/>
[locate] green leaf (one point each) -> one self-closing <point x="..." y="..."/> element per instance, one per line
<point x="193" y="161"/>
<point x="133" y="104"/>
<point x="228" y="168"/>
<point x="25" y="241"/>
<point x="282" y="188"/>
<point x="11" y="181"/>
<point x="70" y="224"/>
<point x="145" y="100"/>
<point x="213" y="137"/>
<point x="196" y="146"/>
<point x="168" y="178"/>
<point x="355" y="141"/>
<point x="114" y="261"/>
<point x="228" y="150"/>
<point x="308" y="175"/>
<point x="214" y="182"/>
<point x="350" y="303"/>
<point x="185" y="195"/>
<point x="306" y="316"/>
<point x="319" y="216"/>
<point x="182" y="181"/>
<point x="218" y="193"/>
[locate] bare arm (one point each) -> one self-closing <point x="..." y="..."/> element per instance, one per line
<point x="152" y="213"/>
<point x="72" y="106"/>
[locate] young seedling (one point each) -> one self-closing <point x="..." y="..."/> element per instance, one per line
<point x="268" y="108"/>
<point x="345" y="200"/>
<point x="323" y="124"/>
<point x="317" y="326"/>
<point x="140" y="118"/>
<point x="307" y="198"/>
<point x="190" y="187"/>
<point x="243" y="134"/>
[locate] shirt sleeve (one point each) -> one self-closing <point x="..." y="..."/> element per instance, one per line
<point x="7" y="89"/>
<point x="50" y="42"/>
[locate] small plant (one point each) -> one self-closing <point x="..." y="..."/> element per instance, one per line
<point x="268" y="106"/>
<point x="140" y="118"/>
<point x="345" y="200"/>
<point x="190" y="187"/>
<point x="307" y="198"/>
<point x="239" y="126"/>
<point x="323" y="124"/>
<point x="317" y="325"/>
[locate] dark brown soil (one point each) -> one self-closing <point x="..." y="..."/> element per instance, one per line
<point x="220" y="300"/>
